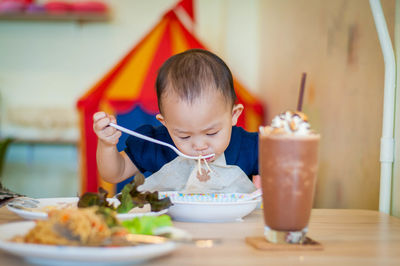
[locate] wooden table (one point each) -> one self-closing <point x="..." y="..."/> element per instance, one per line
<point x="349" y="237"/>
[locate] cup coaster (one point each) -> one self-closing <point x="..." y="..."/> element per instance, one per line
<point x="259" y="242"/>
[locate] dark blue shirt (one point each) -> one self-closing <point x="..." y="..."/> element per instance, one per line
<point x="150" y="157"/>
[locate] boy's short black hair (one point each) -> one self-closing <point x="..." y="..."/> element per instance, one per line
<point x="191" y="73"/>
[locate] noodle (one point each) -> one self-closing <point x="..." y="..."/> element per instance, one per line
<point x="205" y="162"/>
<point x="199" y="165"/>
<point x="199" y="168"/>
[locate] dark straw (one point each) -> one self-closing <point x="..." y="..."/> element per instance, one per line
<point x="301" y="94"/>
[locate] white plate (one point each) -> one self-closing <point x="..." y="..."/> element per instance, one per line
<point x="211" y="207"/>
<point x="66" y="255"/>
<point x="60" y="202"/>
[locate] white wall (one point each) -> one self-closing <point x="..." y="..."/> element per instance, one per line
<point x="336" y="43"/>
<point x="231" y="28"/>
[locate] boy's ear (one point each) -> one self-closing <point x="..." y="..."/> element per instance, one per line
<point x="236" y="112"/>
<point x="160" y="118"/>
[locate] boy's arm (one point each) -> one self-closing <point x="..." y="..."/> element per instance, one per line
<point x="114" y="166"/>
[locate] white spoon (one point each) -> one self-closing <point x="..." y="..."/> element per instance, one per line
<point x="133" y="133"/>
<point x="252" y="196"/>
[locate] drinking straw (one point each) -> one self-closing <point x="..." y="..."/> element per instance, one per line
<point x="301" y="93"/>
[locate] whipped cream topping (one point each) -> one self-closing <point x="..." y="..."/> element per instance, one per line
<point x="289" y="122"/>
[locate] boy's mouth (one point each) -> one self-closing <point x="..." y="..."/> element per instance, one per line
<point x="210" y="159"/>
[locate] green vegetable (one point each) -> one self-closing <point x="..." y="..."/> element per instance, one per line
<point x="146" y="224"/>
<point x="94" y="199"/>
<point x="108" y="216"/>
<point x="126" y="200"/>
<point x="139" y="199"/>
<point x="130" y="198"/>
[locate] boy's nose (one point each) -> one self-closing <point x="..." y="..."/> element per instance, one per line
<point x="200" y="146"/>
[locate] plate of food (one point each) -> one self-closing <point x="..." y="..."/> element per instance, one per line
<point x="89" y="236"/>
<point x="210" y="207"/>
<point x="44" y="205"/>
<point x="128" y="204"/>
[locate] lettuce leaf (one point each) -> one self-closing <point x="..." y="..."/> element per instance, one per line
<point x="94" y="199"/>
<point x="126" y="200"/>
<point x="139" y="199"/>
<point x="130" y="197"/>
<point x="146" y="224"/>
<point x="108" y="216"/>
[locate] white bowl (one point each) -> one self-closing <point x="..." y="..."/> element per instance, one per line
<point x="211" y="208"/>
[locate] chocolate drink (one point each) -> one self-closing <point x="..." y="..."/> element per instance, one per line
<point x="288" y="167"/>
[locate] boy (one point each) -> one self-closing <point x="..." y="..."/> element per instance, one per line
<point x="198" y="113"/>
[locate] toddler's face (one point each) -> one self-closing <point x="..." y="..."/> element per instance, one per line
<point x="202" y="127"/>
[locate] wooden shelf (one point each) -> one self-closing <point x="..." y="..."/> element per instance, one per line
<point x="76" y="16"/>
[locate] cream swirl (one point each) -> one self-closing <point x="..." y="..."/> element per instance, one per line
<point x="289" y="122"/>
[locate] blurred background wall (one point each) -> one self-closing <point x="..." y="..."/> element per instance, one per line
<point x="46" y="66"/>
<point x="336" y="43"/>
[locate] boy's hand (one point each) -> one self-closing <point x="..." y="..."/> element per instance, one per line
<point x="257" y="181"/>
<point x="106" y="134"/>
